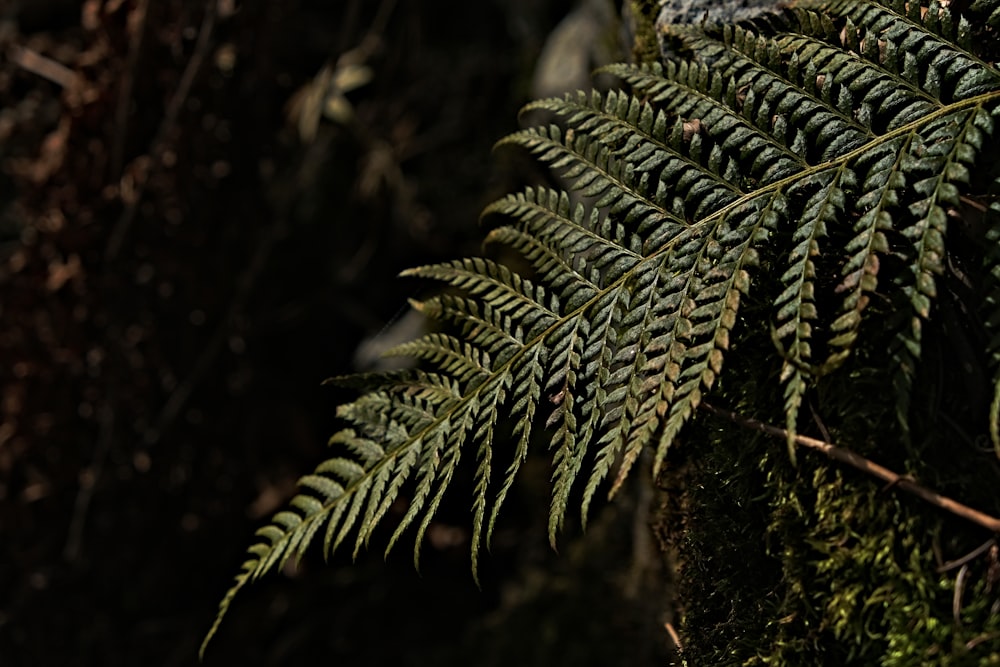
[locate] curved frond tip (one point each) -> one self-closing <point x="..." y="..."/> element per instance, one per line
<point x="785" y="160"/>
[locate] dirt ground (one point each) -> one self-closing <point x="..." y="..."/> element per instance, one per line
<point x="194" y="233"/>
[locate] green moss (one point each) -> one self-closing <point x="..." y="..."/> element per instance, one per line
<point x="819" y="564"/>
<point x="645" y="46"/>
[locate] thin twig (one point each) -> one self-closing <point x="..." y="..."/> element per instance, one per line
<point x="36" y="63"/>
<point x="105" y="439"/>
<point x="167" y="125"/>
<point x="137" y="23"/>
<point x="88" y="483"/>
<point x="192" y="68"/>
<point x="385" y="9"/>
<point x="348" y="23"/>
<point x="674" y="637"/>
<point x="988" y="637"/>
<point x="867" y="466"/>
<point x="819" y="423"/>
<point x="956" y="599"/>
<point x="244" y="290"/>
<point x="969" y="557"/>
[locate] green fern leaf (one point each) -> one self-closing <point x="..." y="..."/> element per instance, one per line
<point x="785" y="160"/>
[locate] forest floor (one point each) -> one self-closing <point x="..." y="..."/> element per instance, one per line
<point x="189" y="245"/>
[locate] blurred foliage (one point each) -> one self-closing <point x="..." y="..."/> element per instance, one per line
<point x="180" y="268"/>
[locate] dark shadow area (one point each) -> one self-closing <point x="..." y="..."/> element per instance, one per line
<point x="203" y="209"/>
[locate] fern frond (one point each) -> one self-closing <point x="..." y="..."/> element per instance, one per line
<point x="454" y="357"/>
<point x="787" y="160"/>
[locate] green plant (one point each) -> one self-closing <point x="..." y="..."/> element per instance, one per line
<point x="808" y="197"/>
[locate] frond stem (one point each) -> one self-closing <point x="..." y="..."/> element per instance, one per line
<point x="846" y="158"/>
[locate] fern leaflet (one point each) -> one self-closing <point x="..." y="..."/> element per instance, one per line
<point x="785" y="159"/>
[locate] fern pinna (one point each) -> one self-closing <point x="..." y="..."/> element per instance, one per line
<point x="808" y="148"/>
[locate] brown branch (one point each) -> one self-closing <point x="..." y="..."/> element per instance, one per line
<point x="47" y="68"/>
<point x="969" y="557"/>
<point x="865" y="465"/>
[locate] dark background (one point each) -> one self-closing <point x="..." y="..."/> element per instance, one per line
<point x="180" y="269"/>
